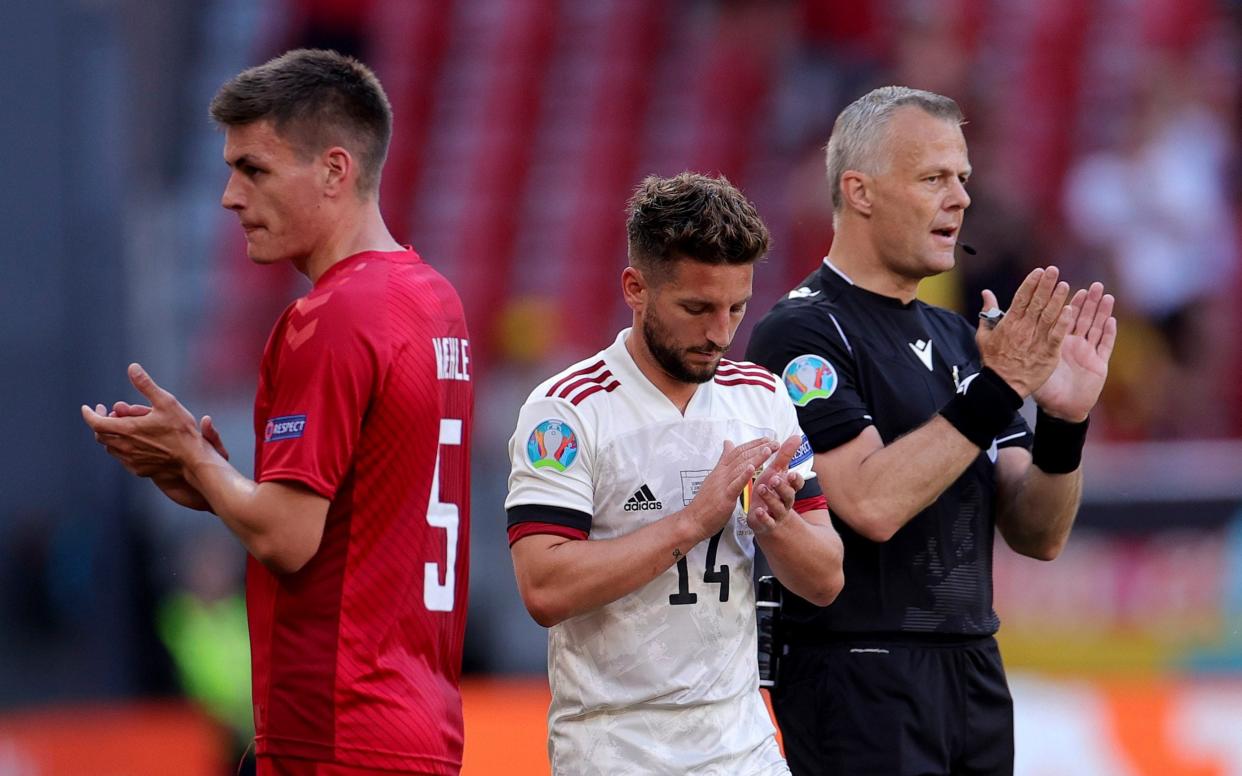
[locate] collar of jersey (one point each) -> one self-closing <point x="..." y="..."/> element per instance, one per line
<point x="832" y="277"/>
<point x="407" y="254"/>
<point x="633" y="379"/>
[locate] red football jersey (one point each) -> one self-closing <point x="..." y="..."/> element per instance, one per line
<point x="365" y="397"/>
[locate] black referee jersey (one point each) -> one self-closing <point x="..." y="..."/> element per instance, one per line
<point x="851" y="358"/>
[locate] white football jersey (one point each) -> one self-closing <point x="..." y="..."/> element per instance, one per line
<point x="663" y="680"/>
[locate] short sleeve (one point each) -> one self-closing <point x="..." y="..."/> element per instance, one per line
<point x="327" y="366"/>
<point x="551" y="462"/>
<point x="806" y="347"/>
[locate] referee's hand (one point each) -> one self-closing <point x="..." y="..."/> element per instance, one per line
<point x="1024" y="347"/>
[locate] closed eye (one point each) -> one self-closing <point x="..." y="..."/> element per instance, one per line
<point x="246" y="166"/>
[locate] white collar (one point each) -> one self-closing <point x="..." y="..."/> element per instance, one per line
<point x="626" y="368"/>
<point x="834" y="268"/>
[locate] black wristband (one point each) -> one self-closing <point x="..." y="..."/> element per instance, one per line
<point x="984" y="409"/>
<point x="1058" y="443"/>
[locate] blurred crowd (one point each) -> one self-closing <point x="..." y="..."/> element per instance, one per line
<point x="1102" y="135"/>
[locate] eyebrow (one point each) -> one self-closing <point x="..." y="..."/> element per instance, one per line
<point x="712" y="303"/>
<point x="243" y="159"/>
<point x="967" y="172"/>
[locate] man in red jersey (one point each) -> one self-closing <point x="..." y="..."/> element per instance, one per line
<point x="357" y="519"/>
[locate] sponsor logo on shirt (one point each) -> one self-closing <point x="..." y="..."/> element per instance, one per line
<point x="284" y="427"/>
<point x="809" y="377"/>
<point x="803" y="453"/>
<point x="643" y="500"/>
<point x="552" y="445"/>
<point x="923" y="349"/>
<point x="802" y="293"/>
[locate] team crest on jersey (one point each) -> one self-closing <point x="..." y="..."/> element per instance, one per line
<point x="743" y="499"/>
<point x="552" y="445"/>
<point x="809" y="377"/>
<point x="747" y="496"/>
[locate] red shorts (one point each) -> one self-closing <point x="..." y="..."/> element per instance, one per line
<point x="292" y="766"/>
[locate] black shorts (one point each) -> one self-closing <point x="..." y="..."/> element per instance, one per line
<point x="895" y="708"/>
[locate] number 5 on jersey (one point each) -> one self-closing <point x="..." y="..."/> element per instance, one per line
<point x="437" y="596"/>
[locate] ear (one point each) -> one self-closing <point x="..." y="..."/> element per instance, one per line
<point x="634" y="288"/>
<point x="339" y="170"/>
<point x="856" y="190"/>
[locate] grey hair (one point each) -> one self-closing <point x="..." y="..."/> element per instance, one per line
<point x="859" y="130"/>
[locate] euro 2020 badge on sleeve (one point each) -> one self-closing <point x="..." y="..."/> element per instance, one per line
<point x="809" y="377"/>
<point x="552" y="445"/>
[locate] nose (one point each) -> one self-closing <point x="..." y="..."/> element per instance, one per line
<point x="958" y="198"/>
<point x="719" y="329"/>
<point x="232" y="197"/>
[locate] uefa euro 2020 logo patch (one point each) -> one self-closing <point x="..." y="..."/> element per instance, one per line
<point x="809" y="377"/>
<point x="552" y="445"/>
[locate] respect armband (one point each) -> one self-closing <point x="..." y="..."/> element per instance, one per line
<point x="1058" y="443"/>
<point x="983" y="408"/>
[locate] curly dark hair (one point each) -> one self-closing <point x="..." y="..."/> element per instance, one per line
<point x="316" y="99"/>
<point x="692" y="216"/>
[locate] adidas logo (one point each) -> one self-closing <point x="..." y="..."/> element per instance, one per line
<point x="643" y="500"/>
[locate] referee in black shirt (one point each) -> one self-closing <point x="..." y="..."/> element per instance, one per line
<point x="912" y="412"/>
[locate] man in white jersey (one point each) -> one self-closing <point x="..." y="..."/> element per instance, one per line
<point x="634" y="508"/>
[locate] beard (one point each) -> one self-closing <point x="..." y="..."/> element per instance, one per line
<point x="659" y="342"/>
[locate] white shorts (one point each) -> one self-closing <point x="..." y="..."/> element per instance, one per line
<point x="729" y="738"/>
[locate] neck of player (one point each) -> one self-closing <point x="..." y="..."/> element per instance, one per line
<point x="359" y="228"/>
<point x="678" y="393"/>
<point x="856" y="255"/>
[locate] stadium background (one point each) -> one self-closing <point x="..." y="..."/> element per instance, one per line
<point x="1104" y="135"/>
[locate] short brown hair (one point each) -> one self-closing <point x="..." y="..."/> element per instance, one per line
<point x="695" y="217"/>
<point x="316" y="99"/>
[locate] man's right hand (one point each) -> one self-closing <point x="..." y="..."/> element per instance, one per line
<point x="713" y="505"/>
<point x="1025" y="346"/>
<point x="168" y="479"/>
<point x="123" y="409"/>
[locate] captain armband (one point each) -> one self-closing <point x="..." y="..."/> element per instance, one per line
<point x="1058" y="443"/>
<point x="983" y="408"/>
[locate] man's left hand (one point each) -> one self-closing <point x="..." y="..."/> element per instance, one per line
<point x="774" y="490"/>
<point x="149" y="442"/>
<point x="1074" y="386"/>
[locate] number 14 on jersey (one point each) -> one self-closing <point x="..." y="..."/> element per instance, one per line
<point x="711" y="575"/>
